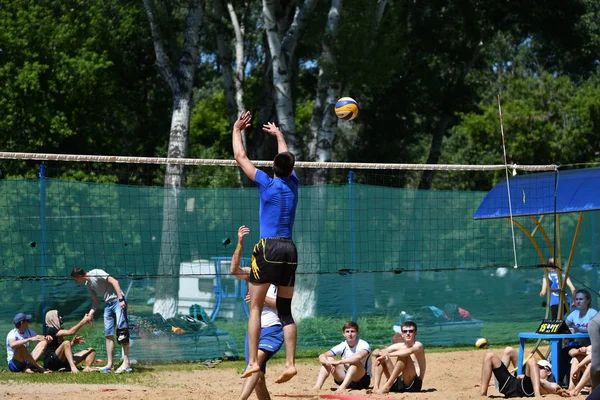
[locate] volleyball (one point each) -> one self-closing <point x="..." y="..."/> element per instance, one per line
<point x="346" y="108"/>
<point x="481" y="343"/>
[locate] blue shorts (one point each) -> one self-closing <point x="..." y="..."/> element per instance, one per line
<point x="15" y="366"/>
<point x="112" y="312"/>
<point x="270" y="341"/>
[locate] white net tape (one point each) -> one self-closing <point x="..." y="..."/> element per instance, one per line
<point x="299" y="164"/>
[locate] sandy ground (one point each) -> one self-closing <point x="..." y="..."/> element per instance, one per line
<point x="449" y="376"/>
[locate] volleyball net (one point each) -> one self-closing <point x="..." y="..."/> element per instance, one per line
<point x="372" y="247"/>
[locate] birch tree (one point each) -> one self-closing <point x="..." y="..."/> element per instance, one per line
<point x="323" y="123"/>
<point x="232" y="80"/>
<point x="281" y="47"/>
<point x="180" y="78"/>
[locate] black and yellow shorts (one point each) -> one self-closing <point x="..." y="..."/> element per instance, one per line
<point x="274" y="260"/>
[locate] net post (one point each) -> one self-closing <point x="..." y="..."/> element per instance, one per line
<point x="42" y="176"/>
<point x="352" y="241"/>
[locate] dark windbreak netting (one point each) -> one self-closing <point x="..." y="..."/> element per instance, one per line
<point x="372" y="248"/>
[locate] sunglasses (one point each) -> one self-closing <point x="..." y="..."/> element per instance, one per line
<point x="408" y="330"/>
<point x="546" y="368"/>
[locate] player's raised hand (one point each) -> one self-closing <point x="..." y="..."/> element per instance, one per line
<point x="242" y="231"/>
<point x="243" y="120"/>
<point x="271" y="129"/>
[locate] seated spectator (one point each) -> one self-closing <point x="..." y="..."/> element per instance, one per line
<point x="580" y="369"/>
<point x="401" y="366"/>
<point x="19" y="358"/>
<point x="578" y="322"/>
<point x="353" y="370"/>
<point x="533" y="383"/>
<point x="59" y="353"/>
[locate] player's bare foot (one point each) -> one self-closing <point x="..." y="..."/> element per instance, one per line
<point x="28" y="371"/>
<point x="89" y="369"/>
<point x="288" y="374"/>
<point x="251" y="369"/>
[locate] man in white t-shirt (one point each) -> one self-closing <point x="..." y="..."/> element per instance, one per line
<point x="100" y="283"/>
<point x="353" y="371"/>
<point x="17" y="346"/>
<point x="271" y="332"/>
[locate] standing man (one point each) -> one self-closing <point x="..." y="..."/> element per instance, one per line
<point x="98" y="282"/>
<point x="274" y="258"/>
<point x="271" y="332"/>
<point x="17" y="346"/>
<point x="401" y="365"/>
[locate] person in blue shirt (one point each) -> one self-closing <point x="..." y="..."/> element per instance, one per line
<point x="554" y="287"/>
<point x="274" y="257"/>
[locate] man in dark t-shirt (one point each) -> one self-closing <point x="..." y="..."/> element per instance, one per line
<point x="274" y="258"/>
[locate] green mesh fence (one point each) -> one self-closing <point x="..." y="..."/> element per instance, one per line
<point x="367" y="252"/>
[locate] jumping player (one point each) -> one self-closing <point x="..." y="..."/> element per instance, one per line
<point x="274" y="258"/>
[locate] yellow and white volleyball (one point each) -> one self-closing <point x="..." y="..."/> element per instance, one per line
<point x="346" y="108"/>
<point x="481" y="343"/>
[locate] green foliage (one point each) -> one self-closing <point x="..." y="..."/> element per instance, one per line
<point x="547" y="120"/>
<point x="78" y="79"/>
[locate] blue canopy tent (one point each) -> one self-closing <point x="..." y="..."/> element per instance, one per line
<point x="544" y="193"/>
<point x="539" y="194"/>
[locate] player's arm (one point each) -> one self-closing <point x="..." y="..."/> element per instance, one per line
<point x="544" y="287"/>
<point x="74" y="329"/>
<point x="353" y="359"/>
<point x="14" y="343"/>
<point x="548" y="387"/>
<point x="94" y="297"/>
<point x="572" y="287"/>
<point x="383" y="354"/>
<point x="406" y="351"/>
<point x="236" y="270"/>
<point x="273" y="130"/>
<point x="324" y="357"/>
<point x="239" y="152"/>
<point x="115" y="284"/>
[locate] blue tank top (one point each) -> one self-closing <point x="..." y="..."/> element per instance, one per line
<point x="554" y="296"/>
<point x="278" y="200"/>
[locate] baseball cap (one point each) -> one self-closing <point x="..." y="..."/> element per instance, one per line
<point x="545" y="364"/>
<point x="22" y="317"/>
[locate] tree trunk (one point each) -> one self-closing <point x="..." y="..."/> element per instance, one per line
<point x="181" y="80"/>
<point x="324" y="122"/>
<point x="168" y="267"/>
<point x="456" y="85"/>
<point x="282" y="51"/>
<point x="435" y="151"/>
<point x="225" y="60"/>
